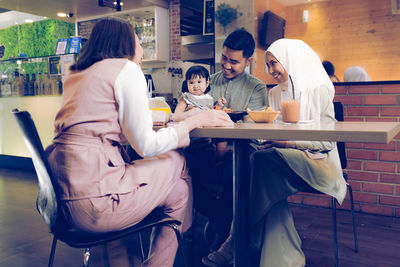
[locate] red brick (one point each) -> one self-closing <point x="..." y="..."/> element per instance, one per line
<point x="390" y="111"/>
<point x="388" y="200"/>
<point x="295" y="198"/>
<point x="390" y="178"/>
<point x="362" y="154"/>
<point x="354" y="164"/>
<point x="390" y="146"/>
<point x="346" y="205"/>
<point x="364" y="89"/>
<point x="353" y="145"/>
<point x="380" y="119"/>
<point x="321" y="202"/>
<point x="390" y="88"/>
<point x="380" y="100"/>
<point x="340" y="90"/>
<point x="363" y="176"/>
<point x="362" y="111"/>
<point x="350" y="99"/>
<point x="389" y="155"/>
<point x="378" y="188"/>
<point x="379" y="166"/>
<point x="356" y="186"/>
<point x="398" y="190"/>
<point x="377" y="209"/>
<point x="365" y="197"/>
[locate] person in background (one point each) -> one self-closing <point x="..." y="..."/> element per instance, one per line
<point x="195" y="90"/>
<point x="105" y="102"/>
<point x="286" y="167"/>
<point x="356" y="74"/>
<point x="330" y="70"/>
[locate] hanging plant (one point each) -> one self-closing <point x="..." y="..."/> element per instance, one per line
<point x="225" y="14"/>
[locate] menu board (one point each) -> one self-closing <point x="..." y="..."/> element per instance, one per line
<point x="74" y="44"/>
<point x="61" y="47"/>
<point x="54" y="65"/>
<point x="85" y="27"/>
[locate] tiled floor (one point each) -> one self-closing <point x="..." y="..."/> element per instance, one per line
<point x="25" y="241"/>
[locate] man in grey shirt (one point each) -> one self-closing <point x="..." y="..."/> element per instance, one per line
<point x="212" y="172"/>
<point x="240" y="89"/>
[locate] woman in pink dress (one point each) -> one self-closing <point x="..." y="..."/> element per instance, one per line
<point x="104" y="105"/>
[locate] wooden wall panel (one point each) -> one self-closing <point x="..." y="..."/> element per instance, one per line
<point x="347" y="33"/>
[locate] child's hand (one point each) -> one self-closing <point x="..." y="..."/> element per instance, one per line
<point x="221" y="102"/>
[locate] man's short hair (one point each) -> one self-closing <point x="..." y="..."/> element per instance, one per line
<point x="241" y="40"/>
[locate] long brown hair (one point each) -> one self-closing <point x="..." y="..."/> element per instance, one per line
<point x="110" y="38"/>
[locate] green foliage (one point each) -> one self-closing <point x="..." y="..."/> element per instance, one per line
<point x="225" y="14"/>
<point x="38" y="39"/>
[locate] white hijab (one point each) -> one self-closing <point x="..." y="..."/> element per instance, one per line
<point x="356" y="74"/>
<point x="307" y="73"/>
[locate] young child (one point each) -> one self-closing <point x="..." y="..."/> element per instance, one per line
<point x="195" y="90"/>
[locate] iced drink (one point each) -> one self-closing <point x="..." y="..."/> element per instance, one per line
<point x="290" y="111"/>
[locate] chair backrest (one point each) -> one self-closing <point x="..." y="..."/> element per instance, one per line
<point x="339" y="116"/>
<point x="46" y="201"/>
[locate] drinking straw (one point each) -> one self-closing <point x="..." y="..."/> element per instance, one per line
<point x="291" y="81"/>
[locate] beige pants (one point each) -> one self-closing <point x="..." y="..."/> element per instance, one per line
<point x="282" y="244"/>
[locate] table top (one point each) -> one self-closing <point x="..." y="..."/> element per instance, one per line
<point x="370" y="132"/>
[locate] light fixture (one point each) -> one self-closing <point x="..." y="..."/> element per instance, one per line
<point x="62" y="14"/>
<point x="306" y="16"/>
<point x="112" y="4"/>
<point x="29" y="20"/>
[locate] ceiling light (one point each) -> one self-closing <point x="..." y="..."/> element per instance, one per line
<point x="62" y="14"/>
<point x="29" y="20"/>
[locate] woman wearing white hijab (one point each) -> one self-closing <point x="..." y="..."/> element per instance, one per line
<point x="283" y="168"/>
<point x="288" y="167"/>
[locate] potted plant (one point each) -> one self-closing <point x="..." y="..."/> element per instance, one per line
<point x="225" y="14"/>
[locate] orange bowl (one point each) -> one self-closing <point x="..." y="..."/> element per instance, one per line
<point x="263" y="116"/>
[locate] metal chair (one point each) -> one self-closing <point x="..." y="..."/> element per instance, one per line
<point x="47" y="203"/>
<point x="343" y="160"/>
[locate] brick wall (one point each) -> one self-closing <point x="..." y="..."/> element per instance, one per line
<point x="373" y="169"/>
<point x="175" y="29"/>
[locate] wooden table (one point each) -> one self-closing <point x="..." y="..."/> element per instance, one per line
<point x="241" y="133"/>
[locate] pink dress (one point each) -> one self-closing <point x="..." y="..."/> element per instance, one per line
<point x="100" y="191"/>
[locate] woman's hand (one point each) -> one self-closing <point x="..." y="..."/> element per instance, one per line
<point x="209" y="117"/>
<point x="184" y="115"/>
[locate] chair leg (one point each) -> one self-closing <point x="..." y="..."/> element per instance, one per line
<point x="353" y="218"/>
<point x="180" y="243"/>
<point x="53" y="251"/>
<point x="335" y="245"/>
<point x="141" y="246"/>
<point x="86" y="257"/>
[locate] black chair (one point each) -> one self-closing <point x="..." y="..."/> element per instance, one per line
<point x="343" y="160"/>
<point x="47" y="203"/>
